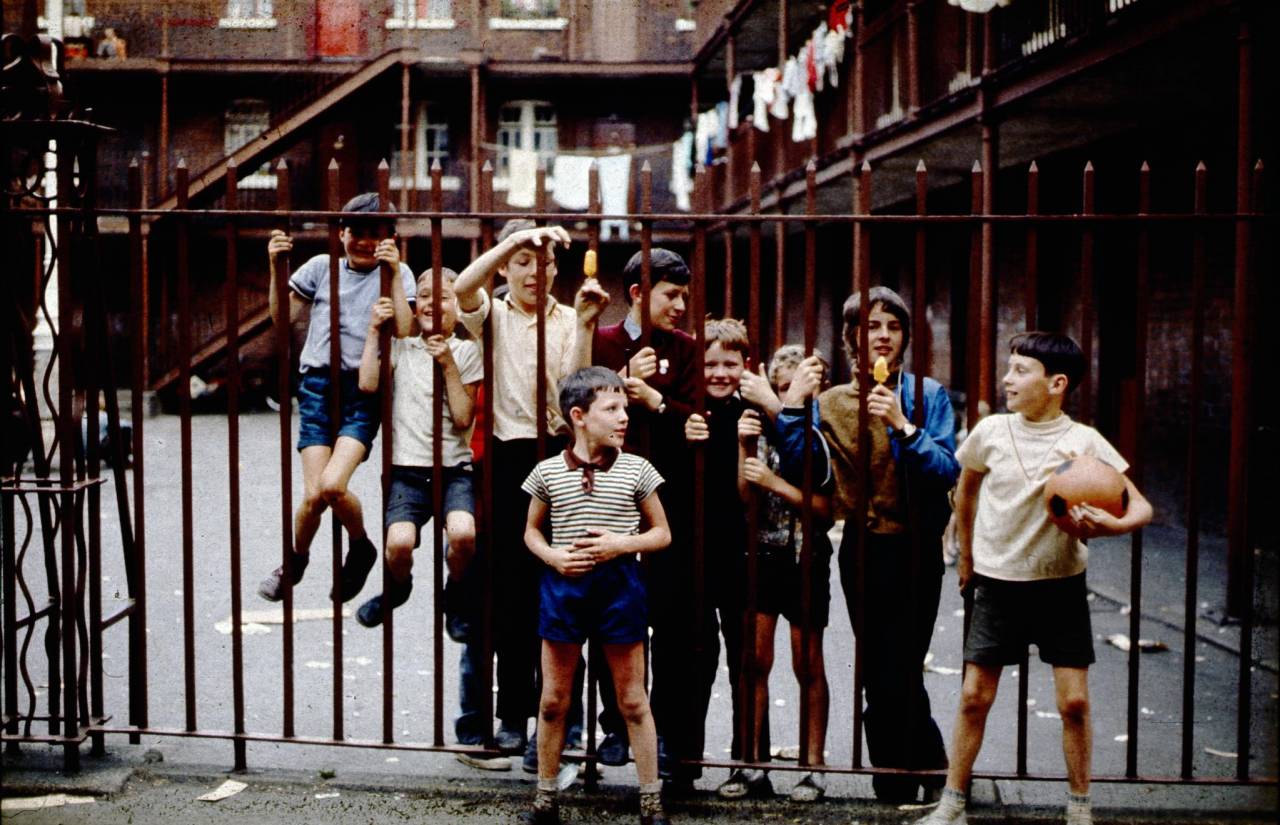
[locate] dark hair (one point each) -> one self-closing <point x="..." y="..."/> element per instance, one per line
<point x="1059" y="354"/>
<point x="729" y="333"/>
<point x="579" y="389"/>
<point x="664" y="265"/>
<point x="880" y="296"/>
<point x="367" y="204"/>
<point x="513" y="226"/>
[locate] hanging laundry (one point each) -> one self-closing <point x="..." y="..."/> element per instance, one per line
<point x="523" y="178"/>
<point x="764" y="86"/>
<point x="704" y="134"/>
<point x="812" y="79"/>
<point x="804" y="123"/>
<point x="721" y="140"/>
<point x="735" y="89"/>
<point x="573" y="182"/>
<point x="681" y="181"/>
<point x="833" y="46"/>
<point x="615" y="185"/>
<point x="787" y="86"/>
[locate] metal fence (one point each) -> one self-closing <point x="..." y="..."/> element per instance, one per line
<point x="65" y="487"/>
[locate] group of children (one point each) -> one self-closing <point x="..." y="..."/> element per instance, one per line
<point x="620" y="429"/>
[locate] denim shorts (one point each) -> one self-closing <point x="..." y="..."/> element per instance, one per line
<point x="361" y="411"/>
<point x="1052" y="614"/>
<point x="410" y="496"/>
<point x="607" y="604"/>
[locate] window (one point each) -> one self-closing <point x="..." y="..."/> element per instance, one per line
<point x="421" y="14"/>
<point x="528" y="14"/>
<point x="248" y="14"/>
<point x="525" y="124"/>
<point x="246" y="119"/>
<point x="429" y="143"/>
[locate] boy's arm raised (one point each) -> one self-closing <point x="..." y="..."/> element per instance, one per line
<point x="370" y="359"/>
<point x="478" y="271"/>
<point x="280" y="244"/>
<point x="966" y="504"/>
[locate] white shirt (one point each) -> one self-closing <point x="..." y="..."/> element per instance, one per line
<point x="411" y="418"/>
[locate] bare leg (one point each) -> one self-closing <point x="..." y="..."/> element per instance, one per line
<point x="815" y="691"/>
<point x="559" y="660"/>
<point x="976" y="697"/>
<point x="460" y="528"/>
<point x="626" y="664"/>
<point x="347" y="455"/>
<point x="1071" y="684"/>
<point x="400" y="539"/>
<point x="306" y="520"/>
<point x="759" y="680"/>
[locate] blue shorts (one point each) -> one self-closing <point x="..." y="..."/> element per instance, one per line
<point x="410" y="496"/>
<point x="607" y="604"/>
<point x="1052" y="614"/>
<point x="361" y="411"/>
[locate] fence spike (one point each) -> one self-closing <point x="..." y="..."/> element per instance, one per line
<point x="977" y="167"/>
<point x="920" y="167"/>
<point x="487" y="166"/>
<point x="1200" y="167"/>
<point x="435" y="164"/>
<point x="1088" y="166"/>
<point x="382" y="164"/>
<point x="1145" y="167"/>
<point x="333" y="165"/>
<point x="812" y="166"/>
<point x="1033" y="169"/>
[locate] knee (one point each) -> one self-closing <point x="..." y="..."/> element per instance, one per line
<point x="399" y="549"/>
<point x="462" y="540"/>
<point x="332" y="489"/>
<point x="633" y="705"/>
<point x="553" y="707"/>
<point x="1074" y="709"/>
<point x="975" y="701"/>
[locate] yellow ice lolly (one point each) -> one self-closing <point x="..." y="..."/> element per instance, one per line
<point x="880" y="371"/>
<point x="589" y="264"/>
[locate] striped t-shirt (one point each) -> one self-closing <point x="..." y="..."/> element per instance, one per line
<point x="613" y="503"/>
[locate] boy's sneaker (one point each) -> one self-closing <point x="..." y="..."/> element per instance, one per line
<point x="361" y="556"/>
<point x="613" y="750"/>
<point x="272" y="587"/>
<point x="746" y="783"/>
<point x="808" y="789"/>
<point x="370" y="613"/>
<point x="510" y="740"/>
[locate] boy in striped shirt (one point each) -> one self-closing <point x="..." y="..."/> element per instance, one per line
<point x="596" y="497"/>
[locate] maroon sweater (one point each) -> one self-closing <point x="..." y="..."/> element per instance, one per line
<point x="612" y="347"/>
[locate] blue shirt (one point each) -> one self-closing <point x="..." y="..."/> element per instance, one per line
<point x="357" y="293"/>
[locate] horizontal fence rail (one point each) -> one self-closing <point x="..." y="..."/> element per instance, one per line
<point x="55" y="504"/>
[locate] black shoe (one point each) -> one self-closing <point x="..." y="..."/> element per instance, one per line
<point x="510" y="740"/>
<point x="613" y="750"/>
<point x="573" y="739"/>
<point x="370" y="613"/>
<point x="361" y="556"/>
<point x="531" y="755"/>
<point x="272" y="587"/>
<point x="551" y="816"/>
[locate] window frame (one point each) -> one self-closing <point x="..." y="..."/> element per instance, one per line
<point x="421" y="155"/>
<point x="421" y="16"/>
<point x="247" y="117"/>
<point x="527" y="132"/>
<point x="262" y="15"/>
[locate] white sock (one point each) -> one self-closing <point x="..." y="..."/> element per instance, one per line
<point x="950" y="809"/>
<point x="1078" y="809"/>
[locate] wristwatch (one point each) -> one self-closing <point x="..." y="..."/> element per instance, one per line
<point x="904" y="436"/>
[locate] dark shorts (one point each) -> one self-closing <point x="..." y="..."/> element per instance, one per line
<point x="607" y="604"/>
<point x="361" y="411"/>
<point x="410" y="496"/>
<point x="778" y="589"/>
<point x="1052" y="614"/>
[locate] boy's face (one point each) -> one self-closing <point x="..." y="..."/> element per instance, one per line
<point x="521" y="272"/>
<point x="604" y="423"/>
<point x="667" y="304"/>
<point x="722" y="370"/>
<point x="1028" y="389"/>
<point x="448" y="309"/>
<point x="359" y="241"/>
<point x="884" y="335"/>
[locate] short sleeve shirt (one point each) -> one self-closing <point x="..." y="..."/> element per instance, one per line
<point x="515" y="347"/>
<point x="1013" y="538"/>
<point x="613" y="503"/>
<point x="357" y="293"/>
<point x="411" y="406"/>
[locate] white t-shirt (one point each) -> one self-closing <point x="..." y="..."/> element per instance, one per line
<point x="1013" y="538"/>
<point x="411" y="403"/>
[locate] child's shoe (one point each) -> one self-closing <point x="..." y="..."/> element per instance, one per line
<point x="651" y="811"/>
<point x="361" y="556"/>
<point x="370" y="613"/>
<point x="272" y="587"/>
<point x="808" y="789"/>
<point x="613" y="750"/>
<point x="510" y="740"/>
<point x="950" y="810"/>
<point x="743" y="783"/>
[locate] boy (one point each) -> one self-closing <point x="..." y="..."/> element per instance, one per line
<point x="368" y="239"/>
<point x="595" y="497"/>
<point x="1028" y="577"/>
<point x="409" y="499"/>
<point x="660" y="381"/>
<point x="515" y="428"/>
